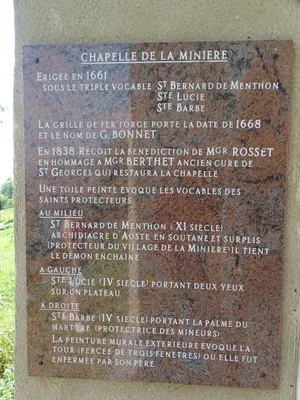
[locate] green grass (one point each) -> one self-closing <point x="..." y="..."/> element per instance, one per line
<point x="7" y="385"/>
<point x="7" y="298"/>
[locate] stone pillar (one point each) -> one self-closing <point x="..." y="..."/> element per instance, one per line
<point x="97" y="21"/>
